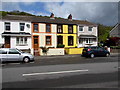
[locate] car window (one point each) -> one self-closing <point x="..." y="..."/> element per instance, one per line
<point x="100" y="48"/>
<point x="13" y="51"/>
<point x="94" y="48"/>
<point x="3" y="52"/>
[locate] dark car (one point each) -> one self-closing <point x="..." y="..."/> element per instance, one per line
<point x="95" y="51"/>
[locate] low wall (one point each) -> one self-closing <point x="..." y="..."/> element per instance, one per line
<point x="114" y="50"/>
<point x="53" y="51"/>
<point x="73" y="50"/>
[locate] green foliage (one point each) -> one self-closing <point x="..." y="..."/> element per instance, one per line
<point x="60" y="46"/>
<point x="103" y="32"/>
<point x="4" y="13"/>
<point x="44" y="49"/>
<point x="115" y="47"/>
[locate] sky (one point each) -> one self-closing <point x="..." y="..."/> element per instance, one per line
<point x="105" y="13"/>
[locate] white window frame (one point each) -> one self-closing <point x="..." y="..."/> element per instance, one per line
<point x="22" y="25"/>
<point x="90" y="29"/>
<point x="81" y="27"/>
<point x="88" y="41"/>
<point x="21" y="41"/>
<point x="7" y="25"/>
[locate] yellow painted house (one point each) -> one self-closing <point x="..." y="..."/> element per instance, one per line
<point x="67" y="35"/>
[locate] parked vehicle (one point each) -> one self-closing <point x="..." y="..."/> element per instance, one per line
<point x="10" y="54"/>
<point x="95" y="51"/>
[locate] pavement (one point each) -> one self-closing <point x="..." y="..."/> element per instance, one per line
<point x="64" y="56"/>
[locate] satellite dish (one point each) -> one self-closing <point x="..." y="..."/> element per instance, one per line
<point x="28" y="25"/>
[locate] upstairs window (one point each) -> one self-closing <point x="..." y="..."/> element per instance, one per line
<point x="22" y="26"/>
<point x="70" y="40"/>
<point x="80" y="28"/>
<point x="59" y="29"/>
<point x="7" y="26"/>
<point x="35" y="27"/>
<point x="70" y="29"/>
<point x="48" y="28"/>
<point x="90" y="28"/>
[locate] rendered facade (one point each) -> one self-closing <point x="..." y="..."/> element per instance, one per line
<point x="32" y="33"/>
<point x="15" y="34"/>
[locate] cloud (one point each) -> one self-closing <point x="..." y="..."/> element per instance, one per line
<point x="102" y="12"/>
<point x="98" y="12"/>
<point x="10" y="6"/>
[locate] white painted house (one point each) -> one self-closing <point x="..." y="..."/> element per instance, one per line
<point x="15" y="32"/>
<point x="87" y="34"/>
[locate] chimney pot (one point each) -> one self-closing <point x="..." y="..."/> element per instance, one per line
<point x="52" y="15"/>
<point x="70" y="17"/>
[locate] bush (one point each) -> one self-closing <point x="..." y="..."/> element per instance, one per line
<point x="44" y="49"/>
<point x="60" y="46"/>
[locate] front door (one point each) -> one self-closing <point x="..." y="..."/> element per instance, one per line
<point x="7" y="41"/>
<point x="36" y="45"/>
<point x="59" y="40"/>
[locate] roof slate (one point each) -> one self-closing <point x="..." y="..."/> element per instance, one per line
<point x="39" y="19"/>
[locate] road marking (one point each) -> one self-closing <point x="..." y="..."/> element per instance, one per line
<point x="60" y="72"/>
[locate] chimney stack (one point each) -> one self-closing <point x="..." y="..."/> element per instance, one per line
<point x="70" y="17"/>
<point x="52" y="16"/>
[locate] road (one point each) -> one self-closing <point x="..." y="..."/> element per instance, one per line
<point x="63" y="72"/>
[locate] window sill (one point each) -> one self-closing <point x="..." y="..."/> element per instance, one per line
<point x="88" y="43"/>
<point x="22" y="45"/>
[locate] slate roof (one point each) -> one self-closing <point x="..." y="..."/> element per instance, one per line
<point x="115" y="32"/>
<point x="39" y="19"/>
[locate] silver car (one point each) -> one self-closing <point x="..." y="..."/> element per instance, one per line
<point x="11" y="54"/>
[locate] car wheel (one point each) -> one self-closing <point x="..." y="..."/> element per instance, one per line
<point x="107" y="55"/>
<point x="26" y="59"/>
<point x="92" y="55"/>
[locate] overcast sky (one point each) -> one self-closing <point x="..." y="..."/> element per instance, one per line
<point x="97" y="12"/>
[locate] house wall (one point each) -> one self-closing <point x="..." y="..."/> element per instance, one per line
<point x="15" y="27"/>
<point x="1" y="31"/>
<point x="73" y="50"/>
<point x="65" y="36"/>
<point x="53" y="51"/>
<point x="13" y="43"/>
<point x="42" y="36"/>
<point x="86" y="32"/>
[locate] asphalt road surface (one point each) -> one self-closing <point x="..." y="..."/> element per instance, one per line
<point x="63" y="72"/>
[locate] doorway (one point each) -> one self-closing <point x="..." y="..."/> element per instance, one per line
<point x="36" y="45"/>
<point x="7" y="41"/>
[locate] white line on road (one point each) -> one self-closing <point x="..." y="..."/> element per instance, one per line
<point x="60" y="72"/>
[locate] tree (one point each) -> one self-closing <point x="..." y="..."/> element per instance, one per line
<point x="103" y="32"/>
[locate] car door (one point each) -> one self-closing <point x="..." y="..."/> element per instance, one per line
<point x="3" y="55"/>
<point x="13" y="55"/>
<point x="101" y="51"/>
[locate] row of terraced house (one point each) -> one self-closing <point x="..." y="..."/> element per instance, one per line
<point x="31" y="33"/>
